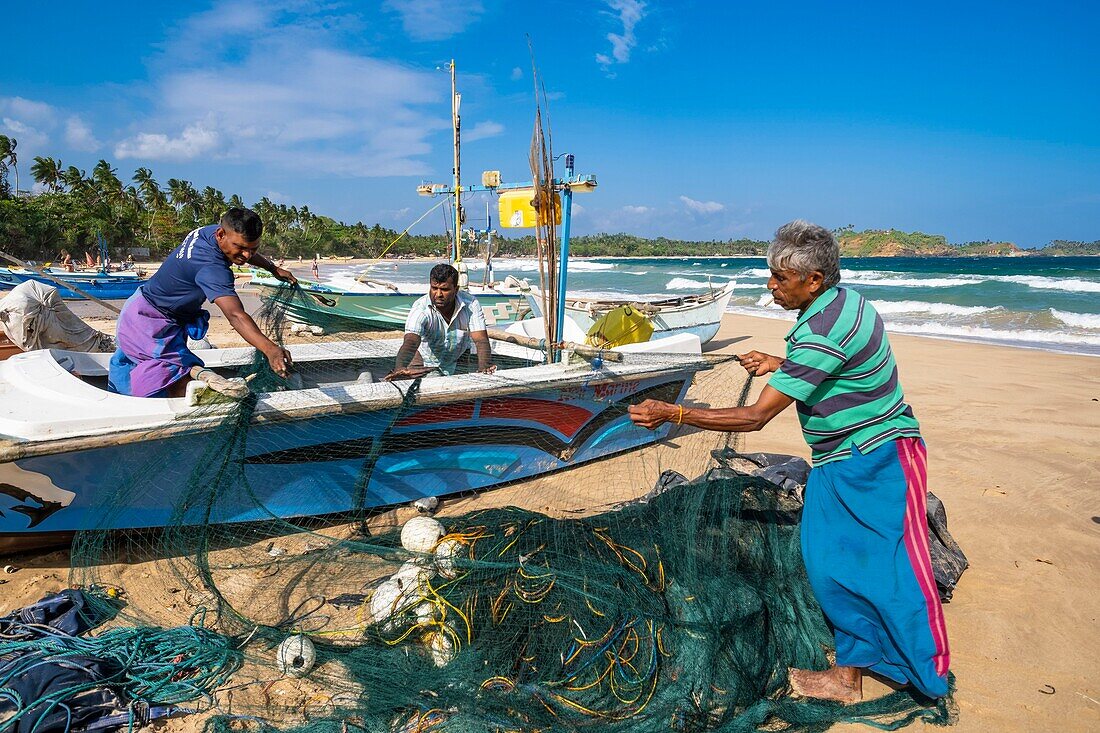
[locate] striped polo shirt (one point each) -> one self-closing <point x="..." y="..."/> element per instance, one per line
<point x="842" y="375"/>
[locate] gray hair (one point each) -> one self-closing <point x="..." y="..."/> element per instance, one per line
<point x="805" y="248"/>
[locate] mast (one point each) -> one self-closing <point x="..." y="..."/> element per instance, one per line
<point x="456" y="123"/>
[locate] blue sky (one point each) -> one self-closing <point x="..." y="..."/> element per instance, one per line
<point x="700" y="120"/>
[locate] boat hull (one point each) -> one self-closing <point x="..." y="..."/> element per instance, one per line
<point x="700" y="319"/>
<point x="104" y="287"/>
<point x="386" y="311"/>
<point x="313" y="467"/>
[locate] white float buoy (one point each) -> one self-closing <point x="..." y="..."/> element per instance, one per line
<point x="415" y="573"/>
<point x="385" y="601"/>
<point x="420" y="534"/>
<point x="425" y="613"/>
<point x="445" y="554"/>
<point x="441" y="647"/>
<point x="296" y="656"/>
<point x="426" y="504"/>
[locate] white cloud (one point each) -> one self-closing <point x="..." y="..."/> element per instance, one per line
<point x="482" y="130"/>
<point x="195" y="140"/>
<point x="286" y="95"/>
<point x="630" y="13"/>
<point x="79" y="136"/>
<point x="434" y="20"/>
<point x="28" y="109"/>
<point x="629" y="209"/>
<point x="517" y="73"/>
<point x="702" y="207"/>
<point x="28" y="138"/>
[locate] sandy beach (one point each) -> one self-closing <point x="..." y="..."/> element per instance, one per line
<point x="1013" y="438"/>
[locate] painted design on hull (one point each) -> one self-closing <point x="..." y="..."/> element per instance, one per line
<point x="547" y="420"/>
<point x="37" y="514"/>
<point x="314" y="467"/>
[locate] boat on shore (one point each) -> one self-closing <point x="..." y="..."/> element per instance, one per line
<point x="380" y="305"/>
<point x="699" y="314"/>
<point x="103" y="285"/>
<point x="75" y="457"/>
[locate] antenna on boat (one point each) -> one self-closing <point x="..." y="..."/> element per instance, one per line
<point x="459" y="213"/>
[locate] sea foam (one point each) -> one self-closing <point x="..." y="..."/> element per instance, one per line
<point x="1040" y="282"/>
<point x="894" y="307"/>
<point x="1077" y="320"/>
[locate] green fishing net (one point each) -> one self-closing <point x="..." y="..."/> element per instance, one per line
<point x="575" y="598"/>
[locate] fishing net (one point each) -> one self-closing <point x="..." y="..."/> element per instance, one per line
<point x="554" y="590"/>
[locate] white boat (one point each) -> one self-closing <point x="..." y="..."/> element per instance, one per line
<point x="76" y="457"/>
<point x="699" y="315"/>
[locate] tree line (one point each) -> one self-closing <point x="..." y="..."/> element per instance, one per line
<point x="74" y="208"/>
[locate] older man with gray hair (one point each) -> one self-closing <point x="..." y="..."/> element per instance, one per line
<point x="864" y="529"/>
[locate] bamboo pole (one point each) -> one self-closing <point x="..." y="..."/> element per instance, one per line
<point x="59" y="282"/>
<point x="540" y="345"/>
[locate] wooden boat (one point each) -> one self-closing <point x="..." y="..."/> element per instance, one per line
<point x="380" y="305"/>
<point x="700" y="314"/>
<point x="103" y="285"/>
<point x="69" y="449"/>
<point x="7" y="348"/>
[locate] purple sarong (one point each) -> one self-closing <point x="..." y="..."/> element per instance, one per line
<point x="152" y="350"/>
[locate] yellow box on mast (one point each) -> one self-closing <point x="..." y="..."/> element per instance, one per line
<point x="517" y="211"/>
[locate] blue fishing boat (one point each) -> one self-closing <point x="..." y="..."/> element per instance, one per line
<point x="103" y="285"/>
<point x="76" y="457"/>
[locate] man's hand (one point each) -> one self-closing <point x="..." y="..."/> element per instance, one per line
<point x="284" y="275"/>
<point x="651" y="414"/>
<point x="757" y="363"/>
<point x="414" y="372"/>
<point x="279" y="359"/>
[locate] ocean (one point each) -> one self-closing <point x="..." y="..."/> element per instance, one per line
<point x="1048" y="303"/>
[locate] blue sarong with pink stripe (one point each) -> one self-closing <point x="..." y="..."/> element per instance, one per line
<point x="152" y="349"/>
<point x="865" y="545"/>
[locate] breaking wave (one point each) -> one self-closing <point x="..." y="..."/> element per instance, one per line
<point x="1077" y="320"/>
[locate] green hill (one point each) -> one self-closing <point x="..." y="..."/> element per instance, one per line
<point x="895" y="243"/>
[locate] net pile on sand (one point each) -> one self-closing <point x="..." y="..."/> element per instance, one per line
<point x="561" y="603"/>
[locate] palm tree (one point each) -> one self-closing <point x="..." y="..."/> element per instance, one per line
<point x="73" y="177"/>
<point x="235" y="202"/>
<point x="213" y="203"/>
<point x="106" y="180"/>
<point x="183" y="196"/>
<point x="152" y="196"/>
<point x="47" y="171"/>
<point x="7" y="155"/>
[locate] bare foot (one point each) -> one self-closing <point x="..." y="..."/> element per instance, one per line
<point x="839" y="684"/>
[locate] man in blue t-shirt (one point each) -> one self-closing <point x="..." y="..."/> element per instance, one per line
<point x="152" y="359"/>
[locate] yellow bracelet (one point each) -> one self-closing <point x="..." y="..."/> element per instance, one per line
<point x="680" y="416"/>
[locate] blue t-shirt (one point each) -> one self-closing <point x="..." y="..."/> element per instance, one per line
<point x="195" y="272"/>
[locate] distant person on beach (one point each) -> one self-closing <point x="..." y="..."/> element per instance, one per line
<point x="315" y="270"/>
<point x="66" y="261"/>
<point x="152" y="359"/>
<point x="864" y="529"/>
<point x="440" y="327"/>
